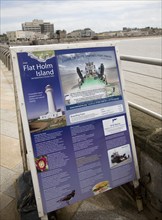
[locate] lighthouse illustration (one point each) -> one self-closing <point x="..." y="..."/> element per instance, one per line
<point x="52" y="112"/>
<point x="49" y="93"/>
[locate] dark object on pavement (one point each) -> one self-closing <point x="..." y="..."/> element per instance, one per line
<point x="26" y="203"/>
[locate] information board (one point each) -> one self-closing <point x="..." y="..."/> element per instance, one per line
<point x="76" y="122"/>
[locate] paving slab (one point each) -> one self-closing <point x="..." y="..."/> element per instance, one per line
<point x="10" y="212"/>
<point x="111" y="205"/>
<point x="10" y="152"/>
<point x="9" y="129"/>
<point x="4" y="201"/>
<point x="8" y="115"/>
<point x="11" y="161"/>
<point x="89" y="211"/>
<point x="7" y="184"/>
<point x="8" y="105"/>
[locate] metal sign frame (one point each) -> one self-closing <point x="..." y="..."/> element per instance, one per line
<point x="17" y="80"/>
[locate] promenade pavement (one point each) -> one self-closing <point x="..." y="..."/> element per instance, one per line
<point x="10" y="157"/>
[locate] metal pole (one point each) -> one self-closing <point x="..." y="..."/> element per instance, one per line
<point x="20" y="128"/>
<point x="45" y="217"/>
<point x="145" y="110"/>
<point x="138" y="195"/>
<point x="144" y="60"/>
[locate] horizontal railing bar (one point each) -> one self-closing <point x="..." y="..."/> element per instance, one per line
<point x="141" y="74"/>
<point x="145" y="110"/>
<point x="144" y="60"/>
<point x="142" y="97"/>
<point x="142" y="85"/>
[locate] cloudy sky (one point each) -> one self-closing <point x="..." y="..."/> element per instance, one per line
<point x="107" y="15"/>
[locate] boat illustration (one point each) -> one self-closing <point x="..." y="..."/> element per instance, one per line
<point x="91" y="84"/>
<point x="117" y="158"/>
<point x="91" y="73"/>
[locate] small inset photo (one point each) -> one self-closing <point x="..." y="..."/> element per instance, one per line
<point x="119" y="156"/>
<point x="41" y="163"/>
<point x="101" y="187"/>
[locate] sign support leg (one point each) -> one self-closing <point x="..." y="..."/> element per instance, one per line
<point x="138" y="195"/>
<point x="20" y="128"/>
<point x="45" y="217"/>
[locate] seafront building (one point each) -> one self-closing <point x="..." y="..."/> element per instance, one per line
<point x="14" y="36"/>
<point x="32" y="26"/>
<point x="37" y="29"/>
<point x="38" y="26"/>
<point x="40" y="30"/>
<point x="81" y="33"/>
<point x="130" y="32"/>
<point x="20" y="35"/>
<point x="46" y="27"/>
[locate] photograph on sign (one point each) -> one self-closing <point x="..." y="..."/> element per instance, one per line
<point x="88" y="76"/>
<point x="119" y="156"/>
<point x="77" y="122"/>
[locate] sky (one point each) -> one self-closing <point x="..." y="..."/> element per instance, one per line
<point x="100" y="16"/>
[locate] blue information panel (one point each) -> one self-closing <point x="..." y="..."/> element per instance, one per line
<point x="78" y="123"/>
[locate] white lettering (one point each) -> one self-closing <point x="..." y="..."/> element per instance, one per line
<point x="28" y="68"/>
<point x="45" y="73"/>
<point x="44" y="66"/>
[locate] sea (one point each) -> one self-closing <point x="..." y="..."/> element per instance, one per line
<point x="144" y="47"/>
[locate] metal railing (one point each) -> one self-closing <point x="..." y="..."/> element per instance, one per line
<point x="5" y="57"/>
<point x="152" y="78"/>
<point x="144" y="60"/>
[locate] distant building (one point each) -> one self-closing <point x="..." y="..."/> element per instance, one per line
<point x="119" y="34"/>
<point x="3" y="38"/>
<point x="25" y="36"/>
<point x="126" y="29"/>
<point x="112" y="34"/>
<point x="11" y="35"/>
<point x="38" y="26"/>
<point x="75" y="34"/>
<point x="60" y="34"/>
<point x="20" y="35"/>
<point x="87" y="32"/>
<point x="63" y="34"/>
<point x="46" y="27"/>
<point x="32" y="26"/>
